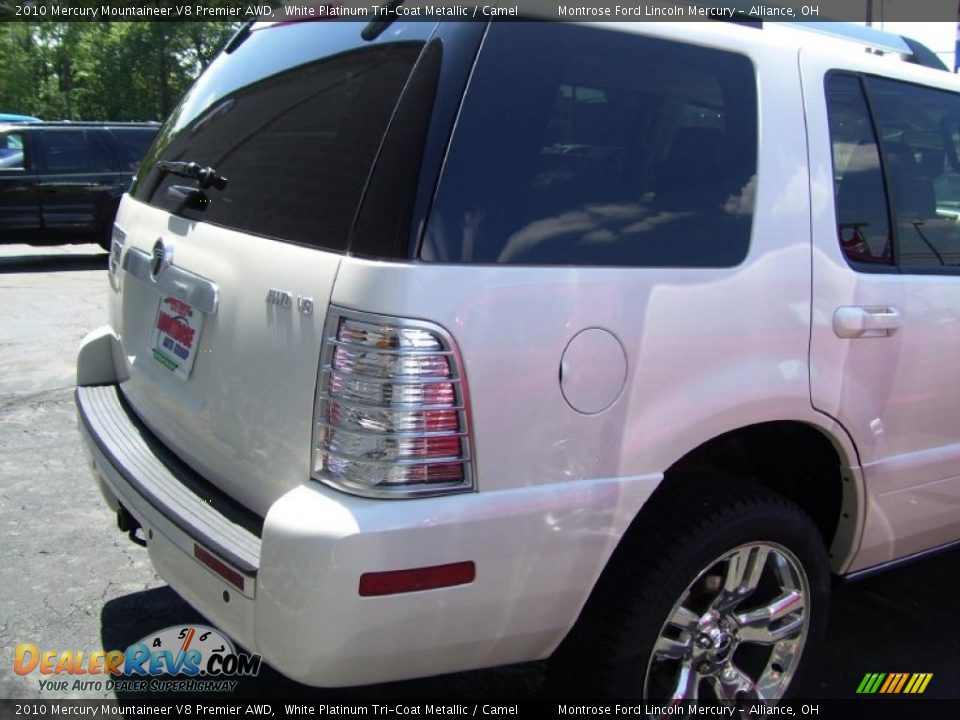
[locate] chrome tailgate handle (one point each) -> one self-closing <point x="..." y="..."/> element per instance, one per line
<point x="863" y="322"/>
<point x="199" y="292"/>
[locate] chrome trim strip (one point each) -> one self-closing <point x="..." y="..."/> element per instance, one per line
<point x="400" y="462"/>
<point x="394" y="380"/>
<point x="401" y="435"/>
<point x="396" y="407"/>
<point x="200" y="293"/>
<point x="387" y="351"/>
<point x="893" y="564"/>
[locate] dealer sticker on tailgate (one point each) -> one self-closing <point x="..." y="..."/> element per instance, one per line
<point x="176" y="333"/>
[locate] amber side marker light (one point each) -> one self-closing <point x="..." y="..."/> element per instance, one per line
<point x="218" y="566"/>
<point x="394" y="582"/>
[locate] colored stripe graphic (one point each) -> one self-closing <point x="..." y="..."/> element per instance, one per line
<point x="870" y="683"/>
<point x="903" y="680"/>
<point x="892" y="679"/>
<point x="894" y="683"/>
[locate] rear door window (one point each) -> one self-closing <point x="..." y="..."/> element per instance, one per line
<point x="70" y="152"/>
<point x="920" y="131"/>
<point x="863" y="224"/>
<point x="293" y="118"/>
<point x="591" y="147"/>
<point x="896" y="165"/>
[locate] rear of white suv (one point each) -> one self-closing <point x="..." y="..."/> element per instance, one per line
<point x="407" y="328"/>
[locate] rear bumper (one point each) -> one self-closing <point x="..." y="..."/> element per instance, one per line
<point x="177" y="510"/>
<point x="537" y="550"/>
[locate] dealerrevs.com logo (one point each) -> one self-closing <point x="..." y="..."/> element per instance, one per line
<point x="200" y="659"/>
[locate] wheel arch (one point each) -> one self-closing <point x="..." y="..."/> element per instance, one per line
<point x="828" y="487"/>
<point x="692" y="516"/>
<point x="813" y="466"/>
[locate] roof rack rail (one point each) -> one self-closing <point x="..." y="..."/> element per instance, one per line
<point x="878" y="40"/>
<point x="97" y="123"/>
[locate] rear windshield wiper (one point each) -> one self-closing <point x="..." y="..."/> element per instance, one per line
<point x="375" y="27"/>
<point x="205" y="176"/>
<point x="242" y="33"/>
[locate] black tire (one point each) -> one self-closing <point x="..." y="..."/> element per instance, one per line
<point x="675" y="561"/>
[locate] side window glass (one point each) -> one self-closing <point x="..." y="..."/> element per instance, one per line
<point x="11" y="152"/>
<point x="920" y="133"/>
<point x="133" y="145"/>
<point x="73" y="151"/>
<point x="605" y="149"/>
<point x="862" y="218"/>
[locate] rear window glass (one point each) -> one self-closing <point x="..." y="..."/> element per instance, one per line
<point x="295" y="137"/>
<point x="133" y="143"/>
<point x="590" y="147"/>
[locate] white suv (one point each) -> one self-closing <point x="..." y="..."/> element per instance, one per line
<point x="436" y="347"/>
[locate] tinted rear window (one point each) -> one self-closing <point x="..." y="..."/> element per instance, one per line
<point x="133" y="143"/>
<point x="590" y="147"/>
<point x="294" y="136"/>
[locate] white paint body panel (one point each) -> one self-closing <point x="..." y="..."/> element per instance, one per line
<point x="898" y="396"/>
<point x="243" y="417"/>
<point x="707" y="351"/>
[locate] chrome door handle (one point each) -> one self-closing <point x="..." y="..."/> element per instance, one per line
<point x="862" y="322"/>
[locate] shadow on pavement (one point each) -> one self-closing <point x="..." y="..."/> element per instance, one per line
<point x="902" y="620"/>
<point x="128" y="619"/>
<point x="53" y="263"/>
<point x="899" y="621"/>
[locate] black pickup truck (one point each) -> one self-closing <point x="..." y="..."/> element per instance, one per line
<point x="62" y="181"/>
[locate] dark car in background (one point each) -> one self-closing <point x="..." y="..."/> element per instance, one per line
<point x="62" y="181"/>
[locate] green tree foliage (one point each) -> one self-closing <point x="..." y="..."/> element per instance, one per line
<point x="103" y="70"/>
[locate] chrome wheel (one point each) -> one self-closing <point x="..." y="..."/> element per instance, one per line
<point x="737" y="631"/>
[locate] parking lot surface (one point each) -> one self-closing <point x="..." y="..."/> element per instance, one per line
<point x="70" y="581"/>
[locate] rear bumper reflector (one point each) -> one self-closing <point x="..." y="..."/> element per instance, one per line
<point x="232" y="576"/>
<point x="393" y="582"/>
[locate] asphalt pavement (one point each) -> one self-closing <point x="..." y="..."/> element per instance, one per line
<point x="70" y="581"/>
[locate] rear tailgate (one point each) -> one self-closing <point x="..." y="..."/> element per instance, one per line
<point x="224" y="291"/>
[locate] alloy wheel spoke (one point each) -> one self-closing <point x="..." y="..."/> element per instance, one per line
<point x="684" y="619"/>
<point x="765" y="635"/>
<point x="762" y="625"/>
<point x="743" y="572"/>
<point x="670" y="649"/>
<point x="687" y="682"/>
<point x="734" y="684"/>
<point x="753" y="594"/>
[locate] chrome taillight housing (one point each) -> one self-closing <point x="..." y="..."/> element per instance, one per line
<point x="391" y="417"/>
